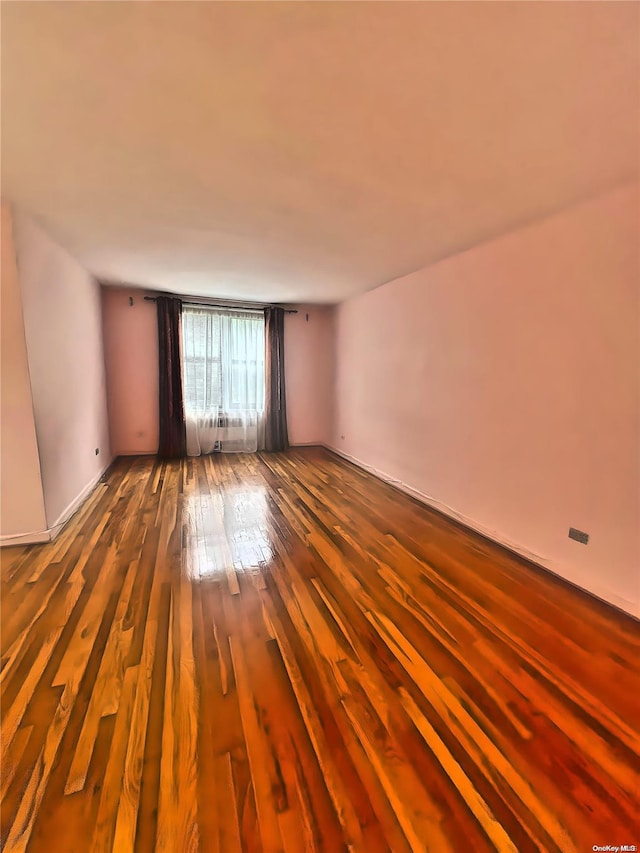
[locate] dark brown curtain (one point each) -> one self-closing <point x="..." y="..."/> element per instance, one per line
<point x="275" y="434"/>
<point x="172" y="425"/>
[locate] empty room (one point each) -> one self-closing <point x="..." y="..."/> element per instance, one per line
<point x="320" y="427"/>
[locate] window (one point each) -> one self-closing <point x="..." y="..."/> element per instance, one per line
<point x="224" y="378"/>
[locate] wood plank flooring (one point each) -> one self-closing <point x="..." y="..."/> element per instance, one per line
<point x="281" y="653"/>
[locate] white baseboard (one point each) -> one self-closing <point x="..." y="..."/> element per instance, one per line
<point x="35" y="538"/>
<point x="75" y="504"/>
<point x="48" y="535"/>
<point x="609" y="597"/>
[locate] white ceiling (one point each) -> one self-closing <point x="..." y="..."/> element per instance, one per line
<point x="308" y="151"/>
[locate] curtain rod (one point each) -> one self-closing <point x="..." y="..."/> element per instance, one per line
<point x="244" y="307"/>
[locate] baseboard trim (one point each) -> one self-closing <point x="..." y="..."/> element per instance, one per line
<point x="611" y="599"/>
<point x="77" y="502"/>
<point x="35" y="538"/>
<point x="41" y="536"/>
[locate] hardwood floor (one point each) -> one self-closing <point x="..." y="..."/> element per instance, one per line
<point x="281" y="653"/>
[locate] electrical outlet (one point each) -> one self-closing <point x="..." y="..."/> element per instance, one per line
<point x="578" y="535"/>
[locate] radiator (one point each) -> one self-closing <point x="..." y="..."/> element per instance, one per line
<point x="229" y="437"/>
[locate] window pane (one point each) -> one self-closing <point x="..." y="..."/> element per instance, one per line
<point x="223" y="357"/>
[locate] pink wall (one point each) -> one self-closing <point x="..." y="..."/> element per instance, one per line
<point x="22" y="502"/>
<point x="502" y="383"/>
<point x="63" y="330"/>
<point x="131" y="355"/>
<point x="309" y="373"/>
